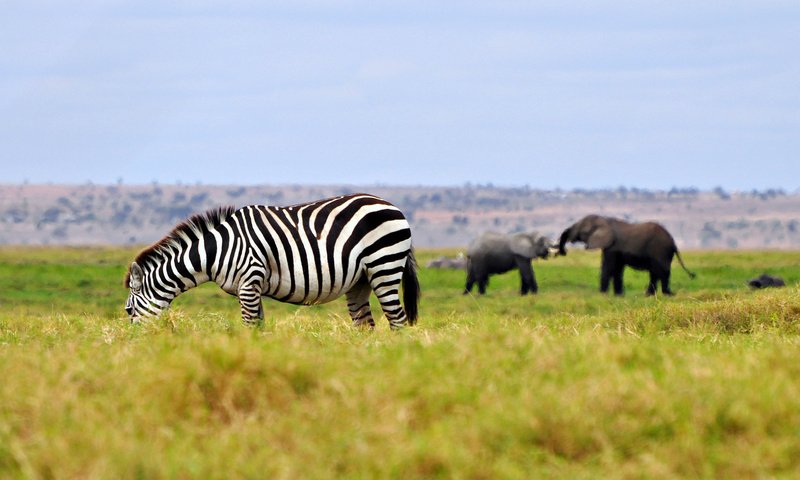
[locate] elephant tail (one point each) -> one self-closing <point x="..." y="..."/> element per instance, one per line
<point x="411" y="291"/>
<point x="678" y="254"/>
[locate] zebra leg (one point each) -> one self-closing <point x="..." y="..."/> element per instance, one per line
<point x="358" y="305"/>
<point x="249" y="293"/>
<point x="250" y="301"/>
<point x="387" y="289"/>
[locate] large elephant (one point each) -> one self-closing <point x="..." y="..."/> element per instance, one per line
<point x="642" y="246"/>
<point x="493" y="252"/>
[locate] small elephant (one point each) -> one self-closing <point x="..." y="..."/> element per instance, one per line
<point x="765" y="281"/>
<point x="493" y="252"/>
<point x="642" y="246"/>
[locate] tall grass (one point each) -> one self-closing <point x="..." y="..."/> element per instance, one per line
<point x="569" y="383"/>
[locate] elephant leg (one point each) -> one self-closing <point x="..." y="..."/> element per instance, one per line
<point x="659" y="273"/>
<point x="605" y="279"/>
<point x="470" y="281"/>
<point x="665" y="282"/>
<point x="527" y="276"/>
<point x="606" y="268"/>
<point x="653" y="285"/>
<point x="617" y="274"/>
<point x="483" y="282"/>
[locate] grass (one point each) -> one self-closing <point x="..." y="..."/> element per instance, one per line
<point x="566" y="384"/>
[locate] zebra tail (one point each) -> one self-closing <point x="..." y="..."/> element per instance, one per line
<point x="411" y="291"/>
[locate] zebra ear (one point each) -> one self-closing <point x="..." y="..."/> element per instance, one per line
<point x="137" y="276"/>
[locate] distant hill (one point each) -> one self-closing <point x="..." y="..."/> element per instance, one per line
<point x="440" y="216"/>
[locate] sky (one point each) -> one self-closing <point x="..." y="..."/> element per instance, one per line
<point x="546" y="94"/>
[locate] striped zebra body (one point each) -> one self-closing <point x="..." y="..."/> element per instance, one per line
<point x="304" y="254"/>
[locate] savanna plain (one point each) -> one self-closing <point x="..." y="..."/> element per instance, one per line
<point x="569" y="383"/>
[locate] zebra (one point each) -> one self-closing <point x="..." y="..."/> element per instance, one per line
<point x="304" y="254"/>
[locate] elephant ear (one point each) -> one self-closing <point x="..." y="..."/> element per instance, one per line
<point x="485" y="243"/>
<point x="601" y="237"/>
<point x="522" y="244"/>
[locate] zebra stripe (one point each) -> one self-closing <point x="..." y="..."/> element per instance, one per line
<point x="311" y="253"/>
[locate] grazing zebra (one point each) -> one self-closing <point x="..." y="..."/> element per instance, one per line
<point x="303" y="254"/>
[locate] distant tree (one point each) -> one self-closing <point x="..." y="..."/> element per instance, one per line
<point x="492" y="202"/>
<point x="709" y="234"/>
<point x="60" y="233"/>
<point x="173" y="214"/>
<point x="236" y="192"/>
<point x="121" y="215"/>
<point x="140" y="195"/>
<point x="721" y="193"/>
<point x="275" y="198"/>
<point x="198" y="198"/>
<point x="15" y="215"/>
<point x="51" y="215"/>
<point x="683" y="192"/>
<point x="739" y="224"/>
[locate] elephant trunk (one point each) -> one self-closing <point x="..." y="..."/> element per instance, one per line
<point x="562" y="242"/>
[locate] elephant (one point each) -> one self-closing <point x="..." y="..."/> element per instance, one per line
<point x="494" y="252"/>
<point x="642" y="246"/>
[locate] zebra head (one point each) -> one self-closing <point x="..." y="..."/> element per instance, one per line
<point x="141" y="301"/>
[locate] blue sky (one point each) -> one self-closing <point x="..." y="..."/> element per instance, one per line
<point x="569" y="94"/>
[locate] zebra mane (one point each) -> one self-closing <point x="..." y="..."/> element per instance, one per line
<point x="197" y="223"/>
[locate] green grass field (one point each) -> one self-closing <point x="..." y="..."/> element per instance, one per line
<point x="566" y="384"/>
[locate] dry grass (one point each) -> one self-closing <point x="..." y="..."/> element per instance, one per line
<point x="569" y="384"/>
